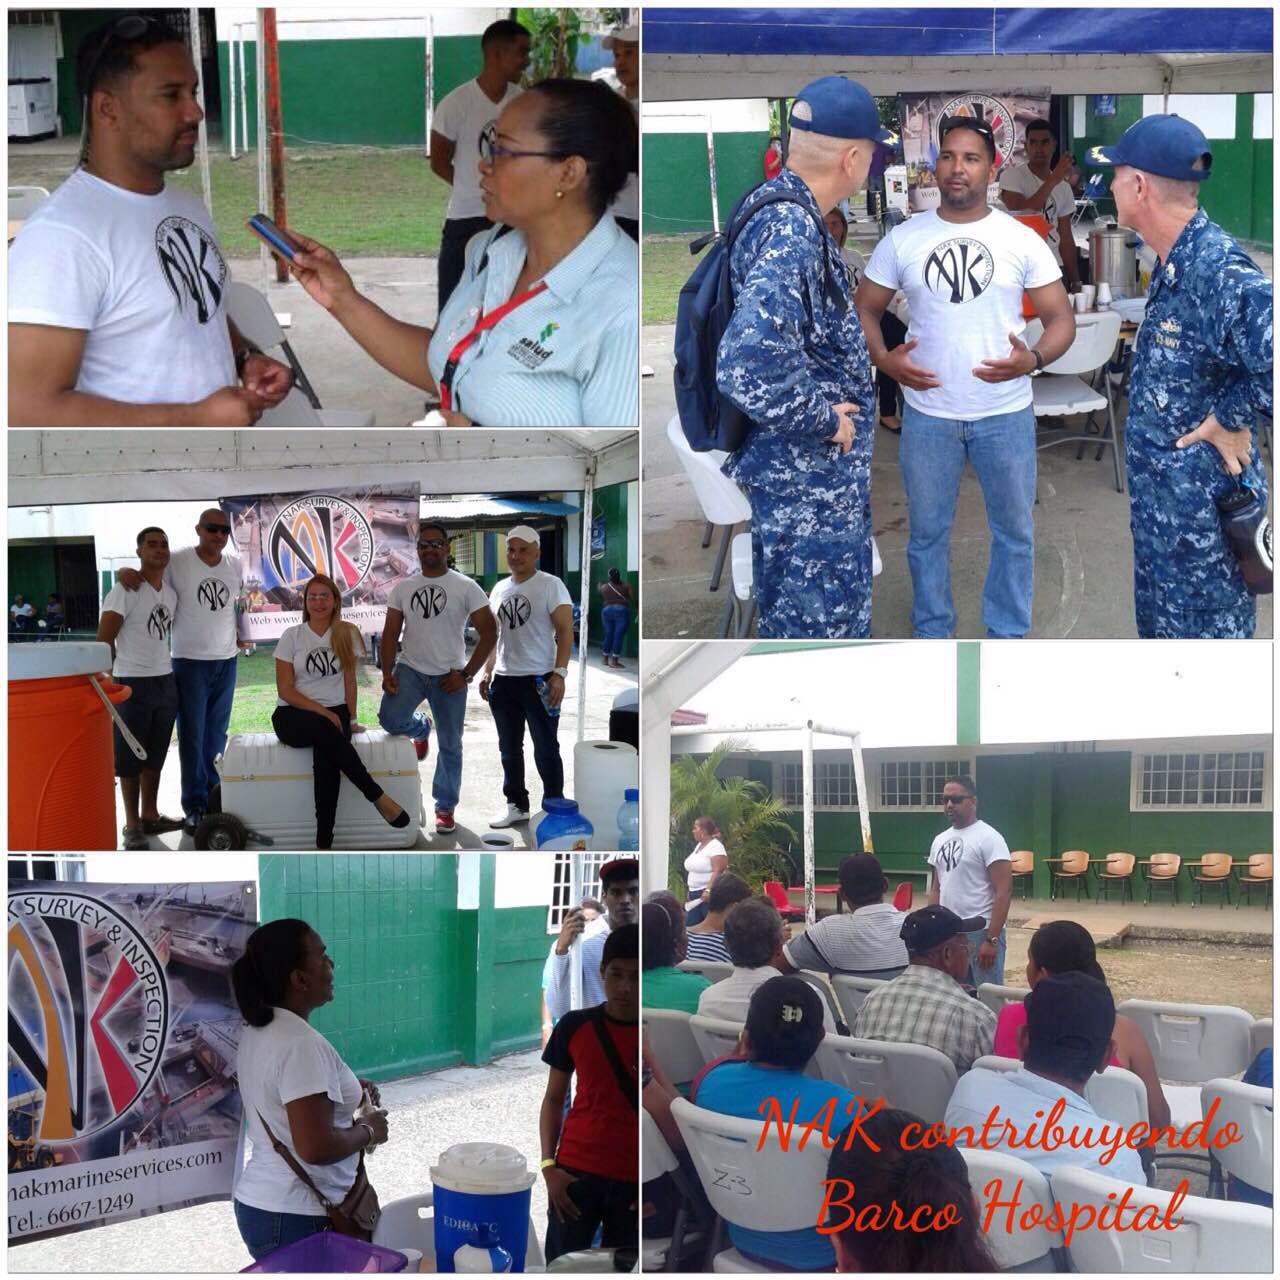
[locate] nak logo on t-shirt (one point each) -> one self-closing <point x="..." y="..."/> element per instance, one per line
<point x="426" y="602"/>
<point x="160" y="622"/>
<point x="949" y="853"/>
<point x="213" y="594"/>
<point x="514" y="611"/>
<point x="323" y="662"/>
<point x="959" y="270"/>
<point x="192" y="266"/>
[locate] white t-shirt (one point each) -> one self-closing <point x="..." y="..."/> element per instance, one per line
<point x="435" y="619"/>
<point x="24" y="610"/>
<point x="1061" y="203"/>
<point x="698" y="865"/>
<point x="461" y="117"/>
<point x="205" y="626"/>
<point x="961" y="856"/>
<point x="280" y="1063"/>
<point x="142" y="275"/>
<point x="964" y="284"/>
<point x="626" y="204"/>
<point x="317" y="673"/>
<point x="526" y="637"/>
<point x="142" y="643"/>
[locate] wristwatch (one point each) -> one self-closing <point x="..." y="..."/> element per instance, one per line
<point x="562" y="672"/>
<point x="994" y="940"/>
<point x="1039" y="360"/>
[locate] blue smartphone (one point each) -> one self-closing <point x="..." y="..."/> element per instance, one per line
<point x="278" y="241"/>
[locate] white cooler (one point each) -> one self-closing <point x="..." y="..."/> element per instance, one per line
<point x="267" y="788"/>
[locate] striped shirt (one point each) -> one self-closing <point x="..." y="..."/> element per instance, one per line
<point x="707" y="946"/>
<point x="567" y="357"/>
<point x="929" y="1007"/>
<point x="866" y="941"/>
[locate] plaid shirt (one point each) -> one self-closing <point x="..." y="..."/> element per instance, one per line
<point x="927" y="1006"/>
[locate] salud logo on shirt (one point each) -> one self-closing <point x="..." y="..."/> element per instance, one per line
<point x="428" y="601"/>
<point x="323" y="662"/>
<point x="950" y="853"/>
<point x="514" y="611"/>
<point x="213" y="594"/>
<point x="192" y="265"/>
<point x="959" y="270"/>
<point x="160" y="622"/>
<point x="531" y="352"/>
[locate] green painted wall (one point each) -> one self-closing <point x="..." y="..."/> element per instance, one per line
<point x="76" y="24"/>
<point x="33" y="573"/>
<point x="611" y="502"/>
<point x="419" y="984"/>
<point x="677" y="189"/>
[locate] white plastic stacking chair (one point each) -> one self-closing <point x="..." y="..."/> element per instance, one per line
<point x="714" y="1037"/>
<point x="1248" y="1107"/>
<point x="1030" y="1249"/>
<point x="672" y="1044"/>
<point x="911" y="1076"/>
<point x="1116" y="1094"/>
<point x="24" y="201"/>
<point x="740" y="606"/>
<point x="657" y="1158"/>
<point x="1260" y="1036"/>
<point x="995" y="997"/>
<point x="712" y="970"/>
<point x="851" y="990"/>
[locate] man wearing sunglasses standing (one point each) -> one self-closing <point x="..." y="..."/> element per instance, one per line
<point x="965" y="375"/>
<point x="117" y="285"/>
<point x="973" y="876"/>
<point x="209" y="581"/>
<point x="433" y="609"/>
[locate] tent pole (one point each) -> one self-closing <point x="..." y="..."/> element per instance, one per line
<point x="860" y="782"/>
<point x="260" y="70"/>
<point x="428" y="85"/>
<point x="810" y="893"/>
<point x="275" y="112"/>
<point x="202" y="148"/>
<point x="584" y="595"/>
<point x="711" y="174"/>
<point x="244" y="91"/>
<point x="231" y="90"/>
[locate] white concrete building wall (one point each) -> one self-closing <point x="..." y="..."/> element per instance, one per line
<point x="318" y="22"/>
<point x="728" y="115"/>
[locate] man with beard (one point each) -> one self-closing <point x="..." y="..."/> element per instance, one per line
<point x="433" y="608"/>
<point x="964" y="268"/>
<point x="620" y="892"/>
<point x="117" y="286"/>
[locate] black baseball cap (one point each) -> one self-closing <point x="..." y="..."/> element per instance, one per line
<point x="932" y="926"/>
<point x="979" y="126"/>
<point x="1069" y="1015"/>
<point x="784" y="1022"/>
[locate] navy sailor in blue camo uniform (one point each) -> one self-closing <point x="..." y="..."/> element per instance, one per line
<point x="1201" y="379"/>
<point x="794" y="359"/>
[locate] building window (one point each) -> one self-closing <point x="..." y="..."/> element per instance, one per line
<point x="1201" y="780"/>
<point x="462" y="547"/>
<point x="916" y="784"/>
<point x="577" y="876"/>
<point x="833" y="785"/>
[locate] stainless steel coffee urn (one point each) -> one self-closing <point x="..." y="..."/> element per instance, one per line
<point x="1113" y="259"/>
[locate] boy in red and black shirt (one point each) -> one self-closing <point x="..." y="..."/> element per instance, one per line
<point x="591" y="1161"/>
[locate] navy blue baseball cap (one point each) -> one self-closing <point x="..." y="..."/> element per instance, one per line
<point x="1167" y="145"/>
<point x="838" y="108"/>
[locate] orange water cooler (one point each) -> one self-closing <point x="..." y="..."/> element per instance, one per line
<point x="61" y="776"/>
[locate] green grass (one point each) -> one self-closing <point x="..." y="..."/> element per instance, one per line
<point x="666" y="264"/>
<point x="255" y="698"/>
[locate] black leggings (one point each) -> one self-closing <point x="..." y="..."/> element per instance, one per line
<point x="332" y="755"/>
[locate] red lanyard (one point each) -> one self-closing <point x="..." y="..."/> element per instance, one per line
<point x="483" y="322"/>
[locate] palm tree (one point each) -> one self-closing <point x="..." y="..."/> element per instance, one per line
<point x="756" y="832"/>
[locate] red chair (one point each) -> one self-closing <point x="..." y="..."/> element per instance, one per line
<point x="776" y="894"/>
<point x="902" y="896"/>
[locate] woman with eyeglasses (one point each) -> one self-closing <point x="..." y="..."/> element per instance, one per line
<point x="316" y="663"/>
<point x="542" y="330"/>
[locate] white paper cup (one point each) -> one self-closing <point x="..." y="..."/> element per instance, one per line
<point x="1090" y="292"/>
<point x="1081" y="302"/>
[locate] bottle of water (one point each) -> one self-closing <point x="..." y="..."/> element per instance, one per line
<point x="629" y="821"/>
<point x="543" y="692"/>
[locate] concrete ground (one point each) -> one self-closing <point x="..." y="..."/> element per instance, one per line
<point x="482" y="797"/>
<point x="427" y="1114"/>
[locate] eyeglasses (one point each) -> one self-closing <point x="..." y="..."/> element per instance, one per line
<point x="491" y="149"/>
<point x="955" y="799"/>
<point x="216" y="528"/>
<point x="432" y="542"/>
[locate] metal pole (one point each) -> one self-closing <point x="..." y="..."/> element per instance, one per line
<point x="202" y="140"/>
<point x="711" y="174"/>
<point x="810" y="893"/>
<point x="276" y="129"/>
<point x="575" y="947"/>
<point x="860" y="781"/>
<point x="428" y="87"/>
<point x="260" y="69"/>
<point x="584" y="594"/>
<point x="244" y="94"/>
<point x="231" y="91"/>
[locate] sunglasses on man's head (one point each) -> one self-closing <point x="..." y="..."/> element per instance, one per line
<point x="216" y="528"/>
<point x="128" y="28"/>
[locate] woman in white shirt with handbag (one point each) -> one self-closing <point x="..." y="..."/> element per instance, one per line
<point x="703" y="865"/>
<point x="310" y="1119"/>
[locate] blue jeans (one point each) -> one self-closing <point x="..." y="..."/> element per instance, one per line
<point x="615" y="618"/>
<point x="262" y="1231"/>
<point x="1002" y="449"/>
<point x="399" y="714"/>
<point x="514" y="702"/>
<point x="206" y="688"/>
<point x="995" y="973"/>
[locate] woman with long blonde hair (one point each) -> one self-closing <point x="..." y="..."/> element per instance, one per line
<point x="316" y="663"/>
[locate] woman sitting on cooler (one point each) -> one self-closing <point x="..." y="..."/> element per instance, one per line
<point x="316" y="663"/>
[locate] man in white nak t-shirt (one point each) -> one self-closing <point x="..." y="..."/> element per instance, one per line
<point x="535" y="638"/>
<point x="973" y="876"/>
<point x="433" y="609"/>
<point x="965" y="375"/>
<point x="459" y="119"/>
<point x="117" y="285"/>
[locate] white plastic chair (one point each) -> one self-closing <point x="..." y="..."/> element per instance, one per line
<point x="766" y="1190"/>
<point x="722" y="502"/>
<point x="657" y="1158"/>
<point x="1213" y="1235"/>
<point x="915" y="1077"/>
<point x="851" y="990"/>
<point x="672" y="1044"/>
<point x="714" y="1037"/>
<point x="995" y="997"/>
<point x="1017" y="1249"/>
<point x="1194" y="1043"/>
<point x="252" y="315"/>
<point x="1260" y="1036"/>
<point x="1058" y="391"/>
<point x="740" y="607"/>
<point x="1116" y="1094"/>
<point x="821" y="984"/>
<point x="1248" y="1107"/>
<point x="24" y="201"/>
<point x="712" y="970"/>
<point x="409" y="1223"/>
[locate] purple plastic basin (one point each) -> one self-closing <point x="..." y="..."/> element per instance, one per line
<point x="327" y="1251"/>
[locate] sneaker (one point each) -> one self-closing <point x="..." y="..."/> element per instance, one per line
<point x="444" y="822"/>
<point x="421" y="746"/>
<point x="191" y="822"/>
<point x="135" y="840"/>
<point x="513" y="815"/>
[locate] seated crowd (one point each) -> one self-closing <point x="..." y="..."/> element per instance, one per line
<point x="1064" y="1031"/>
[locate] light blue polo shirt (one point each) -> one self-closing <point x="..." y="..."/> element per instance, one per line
<point x="568" y="357"/>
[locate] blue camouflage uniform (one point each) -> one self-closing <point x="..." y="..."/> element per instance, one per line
<point x="791" y="351"/>
<point x="1204" y="347"/>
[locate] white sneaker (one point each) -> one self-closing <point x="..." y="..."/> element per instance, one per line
<point x="513" y="815"/>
